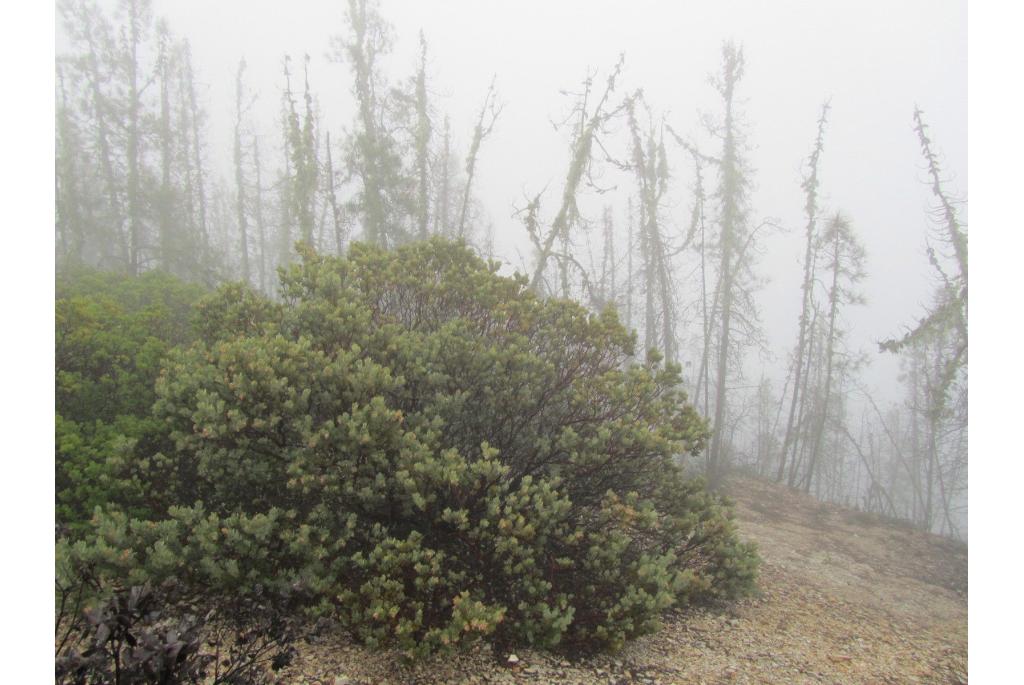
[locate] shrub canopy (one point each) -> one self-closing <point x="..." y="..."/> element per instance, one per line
<point x="112" y="333"/>
<point x="435" y="453"/>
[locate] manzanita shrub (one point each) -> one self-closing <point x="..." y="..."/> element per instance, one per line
<point x="436" y="454"/>
<point x="112" y="332"/>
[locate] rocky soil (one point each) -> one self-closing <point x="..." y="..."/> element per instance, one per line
<point x="844" y="598"/>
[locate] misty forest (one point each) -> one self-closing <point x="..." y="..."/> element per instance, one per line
<point x="331" y="409"/>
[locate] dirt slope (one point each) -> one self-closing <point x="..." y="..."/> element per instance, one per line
<point x="844" y="598"/>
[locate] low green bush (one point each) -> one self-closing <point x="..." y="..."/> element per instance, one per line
<point x="112" y="333"/>
<point x="435" y="454"/>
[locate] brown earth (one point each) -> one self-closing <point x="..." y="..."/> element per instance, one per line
<point x="844" y="598"/>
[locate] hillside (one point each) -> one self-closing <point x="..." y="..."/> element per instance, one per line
<point x="845" y="598"/>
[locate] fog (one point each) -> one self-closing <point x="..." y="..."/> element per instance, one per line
<point x="874" y="62"/>
<point x="470" y="341"/>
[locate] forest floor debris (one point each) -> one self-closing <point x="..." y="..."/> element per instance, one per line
<point x="844" y="597"/>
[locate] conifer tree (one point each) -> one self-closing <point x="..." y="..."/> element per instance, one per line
<point x="423" y="132"/>
<point x="139" y="18"/>
<point x="372" y="155"/>
<point x="951" y="309"/>
<point x="242" y="104"/>
<point x="485" y="124"/>
<point x="937" y="347"/>
<point x="69" y="177"/>
<point x="303" y="149"/>
<point x="166" y="195"/>
<point x="90" y="69"/>
<point x="261" y="227"/>
<point x="844" y="258"/>
<point x="443" y="183"/>
<point x="800" y="357"/>
<point x="586" y="130"/>
<point x="332" y="199"/>
<point x="733" y="248"/>
<point x="195" y="117"/>
<point x="650" y="166"/>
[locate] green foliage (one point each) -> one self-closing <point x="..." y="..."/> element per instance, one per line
<point x="437" y="454"/>
<point x="112" y="333"/>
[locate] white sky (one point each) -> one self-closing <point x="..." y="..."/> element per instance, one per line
<point x="874" y="59"/>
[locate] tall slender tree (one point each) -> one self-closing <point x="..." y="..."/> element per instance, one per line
<point x="800" y="360"/>
<point x="197" y="144"/>
<point x="70" y="203"/>
<point x="166" y="210"/>
<point x="332" y="198"/>
<point x="242" y="105"/>
<point x="844" y="257"/>
<point x="584" y="136"/>
<point x="92" y="66"/>
<point x="301" y="144"/>
<point x="261" y="226"/>
<point x="139" y="18"/>
<point x="423" y="132"/>
<point x="443" y="183"/>
<point x="373" y="158"/>
<point x="485" y="124"/>
<point x="650" y="167"/>
<point x="950" y="311"/>
<point x="732" y="198"/>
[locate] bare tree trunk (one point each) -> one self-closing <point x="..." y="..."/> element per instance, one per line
<point x="697" y="229"/>
<point x="646" y="254"/>
<point x="651" y="170"/>
<point x="310" y="165"/>
<point x="240" y="176"/>
<point x="830" y="341"/>
<point x="286" y="192"/>
<point x="702" y="373"/>
<point x="87" y="21"/>
<point x="166" y="206"/>
<point x="956" y="235"/>
<point x="810" y="186"/>
<point x="197" y="153"/>
<point x="876" y="483"/>
<point x="607" y="285"/>
<point x="629" y="267"/>
<point x="805" y="409"/>
<point x="135" y="228"/>
<point x="261" y="228"/>
<point x="441" y="212"/>
<point x="69" y="220"/>
<point x="918" y="508"/>
<point x="301" y="143"/>
<point x="332" y="198"/>
<point x="730" y="193"/>
<point x="721" y="387"/>
<point x="184" y="140"/>
<point x="480" y="132"/>
<point x="582" y="146"/>
<point x="362" y="54"/>
<point x="422" y="145"/>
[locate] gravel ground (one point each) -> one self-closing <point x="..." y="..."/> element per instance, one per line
<point x="844" y="598"/>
